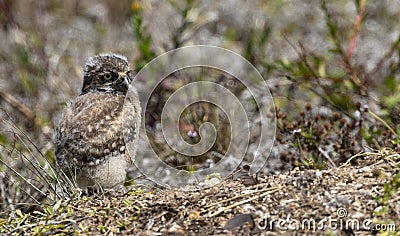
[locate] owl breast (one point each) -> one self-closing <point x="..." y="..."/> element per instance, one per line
<point x="91" y="130"/>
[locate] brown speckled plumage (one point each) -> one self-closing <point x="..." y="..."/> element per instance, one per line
<point x="90" y="144"/>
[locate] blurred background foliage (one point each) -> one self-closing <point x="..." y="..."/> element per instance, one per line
<point x="332" y="67"/>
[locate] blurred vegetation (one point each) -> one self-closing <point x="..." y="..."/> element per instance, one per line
<point x="332" y="67"/>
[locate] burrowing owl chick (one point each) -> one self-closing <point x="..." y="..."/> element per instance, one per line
<point x="90" y="144"/>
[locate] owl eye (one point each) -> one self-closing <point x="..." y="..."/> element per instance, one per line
<point x="107" y="76"/>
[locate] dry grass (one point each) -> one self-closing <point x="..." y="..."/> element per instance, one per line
<point x="230" y="207"/>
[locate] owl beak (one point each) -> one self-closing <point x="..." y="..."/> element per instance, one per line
<point x="124" y="82"/>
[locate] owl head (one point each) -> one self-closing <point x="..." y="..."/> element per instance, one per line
<point x="107" y="73"/>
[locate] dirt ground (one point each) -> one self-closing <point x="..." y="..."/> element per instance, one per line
<point x="347" y="200"/>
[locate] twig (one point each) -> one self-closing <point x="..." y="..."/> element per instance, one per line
<point x="327" y="157"/>
<point x="333" y="33"/>
<point x="24" y="110"/>
<point x="360" y="154"/>
<point x="383" y="122"/>
<point x="222" y="209"/>
<point x="356" y="29"/>
<point x="23" y="178"/>
<point x="68" y="221"/>
<point x="240" y="196"/>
